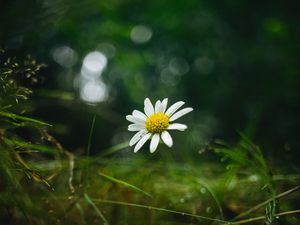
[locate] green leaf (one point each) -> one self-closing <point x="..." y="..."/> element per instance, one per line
<point x="23" y="118"/>
<point x="123" y="183"/>
<point x="18" y="143"/>
<point x="99" y="213"/>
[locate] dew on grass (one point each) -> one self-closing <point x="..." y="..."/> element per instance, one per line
<point x="208" y="209"/>
<point x="203" y="190"/>
<point x="182" y="200"/>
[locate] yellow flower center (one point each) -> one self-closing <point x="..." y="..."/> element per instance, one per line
<point x="157" y="123"/>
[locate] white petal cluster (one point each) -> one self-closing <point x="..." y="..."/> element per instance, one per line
<point x="139" y="120"/>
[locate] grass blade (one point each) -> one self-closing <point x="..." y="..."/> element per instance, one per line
<point x="260" y="205"/>
<point x="123" y="183"/>
<point x="88" y="150"/>
<point x="23" y="118"/>
<point x="99" y="213"/>
<point x="162" y="210"/>
<point x="18" y="143"/>
<point x="114" y="149"/>
<point x="250" y="220"/>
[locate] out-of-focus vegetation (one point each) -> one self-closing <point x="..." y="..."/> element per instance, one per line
<point x="64" y="157"/>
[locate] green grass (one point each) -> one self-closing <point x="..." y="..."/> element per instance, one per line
<point x="179" y="195"/>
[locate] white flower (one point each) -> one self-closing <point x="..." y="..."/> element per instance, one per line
<point x="154" y="123"/>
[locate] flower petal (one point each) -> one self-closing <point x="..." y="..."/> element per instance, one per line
<point x="177" y="126"/>
<point x="166" y="137"/>
<point x="164" y="104"/>
<point x="139" y="114"/>
<point x="173" y="108"/>
<point x="158" y="106"/>
<point x="154" y="142"/>
<point x="137" y="137"/>
<point x="149" y="110"/>
<point x="134" y="119"/>
<point x="180" y="113"/>
<point x="136" y="127"/>
<point x="141" y="142"/>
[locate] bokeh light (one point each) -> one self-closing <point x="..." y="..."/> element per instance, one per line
<point x="108" y="49"/>
<point x="93" y="91"/>
<point x="93" y="64"/>
<point x="169" y="78"/>
<point x="204" y="65"/>
<point x="179" y="66"/>
<point x="65" y="56"/>
<point x="92" y="88"/>
<point x="141" y="34"/>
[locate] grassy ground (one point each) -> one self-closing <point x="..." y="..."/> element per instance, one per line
<point x="140" y="190"/>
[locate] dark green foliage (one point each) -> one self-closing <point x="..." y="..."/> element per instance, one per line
<point x="13" y="72"/>
<point x="246" y="159"/>
<point x="13" y="149"/>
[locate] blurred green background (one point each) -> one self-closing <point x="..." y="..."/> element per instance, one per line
<point x="235" y="62"/>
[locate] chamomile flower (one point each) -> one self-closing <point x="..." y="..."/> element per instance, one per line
<point x="155" y="122"/>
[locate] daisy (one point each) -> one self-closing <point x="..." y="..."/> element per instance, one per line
<point x="154" y="123"/>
